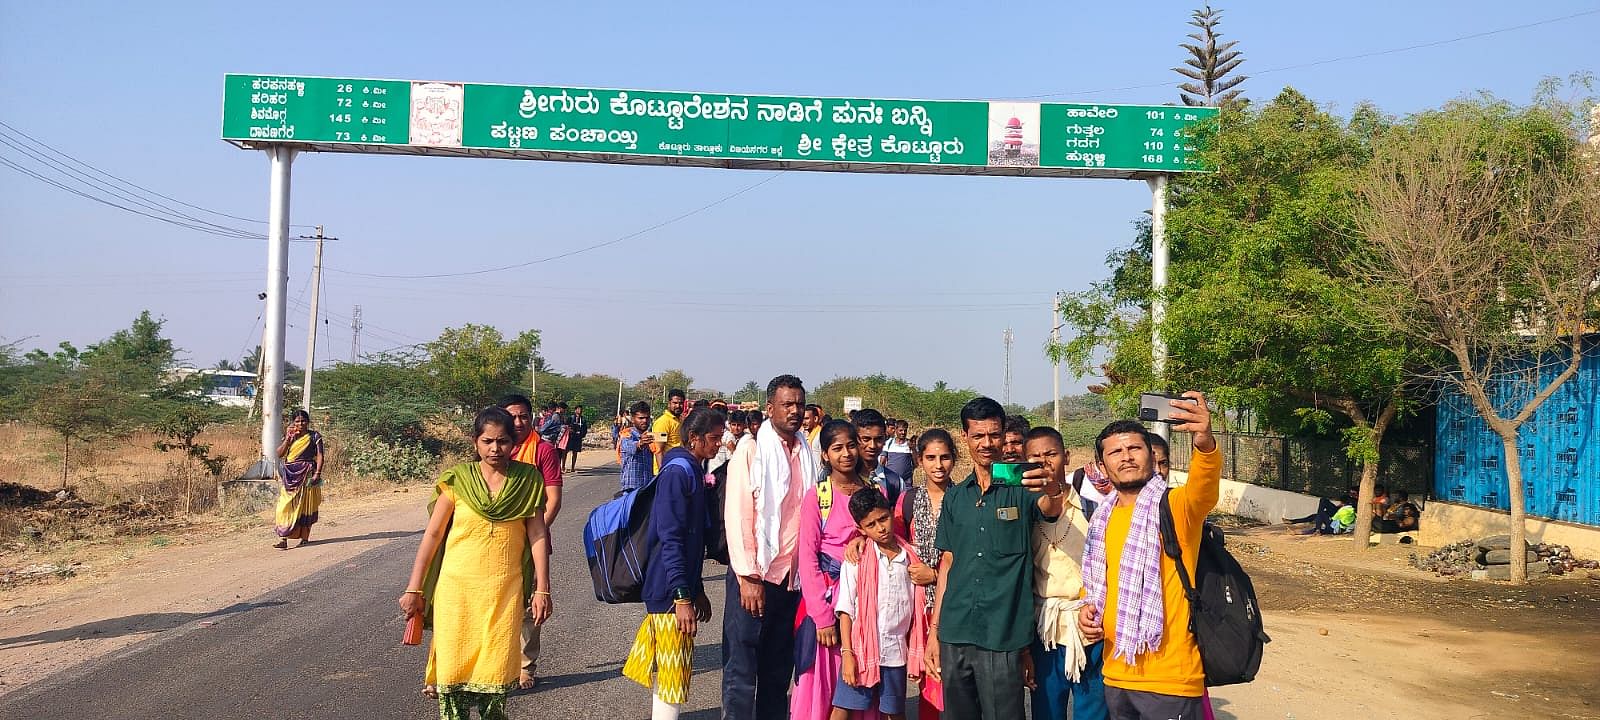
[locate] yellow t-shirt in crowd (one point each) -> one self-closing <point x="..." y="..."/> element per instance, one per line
<point x="1174" y="668"/>
<point x="667" y="423"/>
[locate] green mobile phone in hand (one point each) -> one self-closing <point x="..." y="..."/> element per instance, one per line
<point x="1011" y="473"/>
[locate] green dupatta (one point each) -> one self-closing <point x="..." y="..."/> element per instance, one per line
<point x="522" y="496"/>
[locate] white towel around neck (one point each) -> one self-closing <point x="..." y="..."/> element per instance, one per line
<point x="772" y="486"/>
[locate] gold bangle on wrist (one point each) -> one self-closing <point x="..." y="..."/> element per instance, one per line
<point x="682" y="602"/>
<point x="545" y="593"/>
<point x="412" y="592"/>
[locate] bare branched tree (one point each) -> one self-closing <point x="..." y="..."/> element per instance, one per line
<point x="1209" y="63"/>
<point x="1486" y="244"/>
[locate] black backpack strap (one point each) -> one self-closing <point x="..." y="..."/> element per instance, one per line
<point x="907" y="505"/>
<point x="1169" y="545"/>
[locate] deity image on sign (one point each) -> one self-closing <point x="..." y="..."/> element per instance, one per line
<point x="436" y="114"/>
<point x="1014" y="134"/>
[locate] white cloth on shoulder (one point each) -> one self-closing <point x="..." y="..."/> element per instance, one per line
<point x="772" y="486"/>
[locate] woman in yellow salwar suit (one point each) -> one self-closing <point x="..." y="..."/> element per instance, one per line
<point x="484" y="560"/>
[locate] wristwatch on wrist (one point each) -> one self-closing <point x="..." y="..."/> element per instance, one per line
<point x="682" y="593"/>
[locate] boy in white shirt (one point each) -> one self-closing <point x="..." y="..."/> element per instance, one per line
<point x="881" y="631"/>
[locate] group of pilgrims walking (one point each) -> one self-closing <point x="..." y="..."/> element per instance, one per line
<point x="846" y="580"/>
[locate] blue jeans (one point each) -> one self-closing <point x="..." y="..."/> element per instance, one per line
<point x="1087" y="696"/>
<point x="757" y="654"/>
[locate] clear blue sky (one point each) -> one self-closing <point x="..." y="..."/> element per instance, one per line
<point x="941" y="265"/>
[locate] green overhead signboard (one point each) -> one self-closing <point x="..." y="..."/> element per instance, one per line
<point x="513" y="120"/>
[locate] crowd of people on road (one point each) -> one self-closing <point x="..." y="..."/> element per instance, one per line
<point x="845" y="580"/>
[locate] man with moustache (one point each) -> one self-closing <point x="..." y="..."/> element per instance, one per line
<point x="534" y="450"/>
<point x="1134" y="597"/>
<point x="767" y="479"/>
<point x="983" y="619"/>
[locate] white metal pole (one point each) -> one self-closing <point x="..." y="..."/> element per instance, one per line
<point x="1158" y="283"/>
<point x="311" y="325"/>
<point x="277" y="295"/>
<point x="1055" y="366"/>
<point x="619" y="396"/>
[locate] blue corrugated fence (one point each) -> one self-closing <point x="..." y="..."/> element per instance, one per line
<point x="1560" y="459"/>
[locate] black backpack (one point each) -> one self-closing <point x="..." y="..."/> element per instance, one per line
<point x="1224" y="615"/>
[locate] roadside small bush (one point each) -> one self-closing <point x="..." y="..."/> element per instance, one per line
<point x="397" y="462"/>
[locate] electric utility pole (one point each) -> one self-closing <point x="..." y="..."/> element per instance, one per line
<point x="311" y="326"/>
<point x="355" y="334"/>
<point x="1055" y="365"/>
<point x="1007" y="337"/>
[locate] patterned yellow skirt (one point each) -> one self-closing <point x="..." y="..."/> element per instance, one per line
<point x="670" y="653"/>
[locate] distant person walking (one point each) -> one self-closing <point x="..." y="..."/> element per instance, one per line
<point x="577" y="430"/>
<point x="897" y="452"/>
<point x="483" y="563"/>
<point x="300" y="493"/>
<point x="637" y="448"/>
<point x="666" y="427"/>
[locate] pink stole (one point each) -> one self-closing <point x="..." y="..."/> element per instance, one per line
<point x="864" y="625"/>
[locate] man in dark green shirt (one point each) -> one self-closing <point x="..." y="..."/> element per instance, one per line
<point x="983" y="614"/>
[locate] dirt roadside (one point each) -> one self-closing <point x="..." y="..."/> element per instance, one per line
<point x="49" y="627"/>
<point x="1359" y="634"/>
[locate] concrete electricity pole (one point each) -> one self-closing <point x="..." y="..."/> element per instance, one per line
<point x="311" y="325"/>
<point x="1008" y="366"/>
<point x="1055" y="365"/>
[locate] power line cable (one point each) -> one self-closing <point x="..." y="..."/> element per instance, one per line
<point x="129" y="183"/>
<point x="1342" y="58"/>
<point x="73" y="175"/>
<point x="50" y="181"/>
<point x="570" y="253"/>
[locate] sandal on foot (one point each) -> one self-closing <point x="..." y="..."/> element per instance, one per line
<point x="283" y="544"/>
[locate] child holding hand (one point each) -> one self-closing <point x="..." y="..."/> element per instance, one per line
<point x="880" y="616"/>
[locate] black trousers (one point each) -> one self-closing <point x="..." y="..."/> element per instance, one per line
<point x="981" y="684"/>
<point x="757" y="654"/>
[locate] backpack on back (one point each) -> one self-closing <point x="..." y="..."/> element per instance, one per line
<point x="1224" y="615"/>
<point x="618" y="543"/>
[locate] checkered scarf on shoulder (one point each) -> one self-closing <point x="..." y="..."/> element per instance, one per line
<point x="1141" y="613"/>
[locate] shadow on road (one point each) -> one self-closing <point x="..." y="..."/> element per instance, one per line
<point x="386" y="535"/>
<point x="130" y="625"/>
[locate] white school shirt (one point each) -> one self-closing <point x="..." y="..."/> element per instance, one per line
<point x="894" y="603"/>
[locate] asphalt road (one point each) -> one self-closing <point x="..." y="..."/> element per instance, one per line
<point x="329" y="647"/>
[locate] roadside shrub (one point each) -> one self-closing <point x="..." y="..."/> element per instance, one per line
<point x="396" y="462"/>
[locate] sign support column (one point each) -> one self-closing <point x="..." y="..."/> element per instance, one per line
<point x="1158" y="285"/>
<point x="271" y="389"/>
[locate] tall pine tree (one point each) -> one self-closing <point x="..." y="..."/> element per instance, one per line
<point x="1209" y="63"/>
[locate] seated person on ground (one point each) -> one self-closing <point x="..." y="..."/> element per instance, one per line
<point x="1402" y="516"/>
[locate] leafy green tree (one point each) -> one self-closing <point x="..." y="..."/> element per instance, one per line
<point x="1209" y="63"/>
<point x="751" y="392"/>
<point x="597" y="393"/>
<point x="1262" y="310"/>
<point x="938" y="406"/>
<point x="78" y="404"/>
<point x="1481" y="230"/>
<point x="474" y="365"/>
<point x="388" y="397"/>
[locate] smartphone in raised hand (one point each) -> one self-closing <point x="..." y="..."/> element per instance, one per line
<point x="1011" y="473"/>
<point x="1157" y="407"/>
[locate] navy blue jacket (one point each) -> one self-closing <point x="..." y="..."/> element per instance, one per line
<point x="678" y="522"/>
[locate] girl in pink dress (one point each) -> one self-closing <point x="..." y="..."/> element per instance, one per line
<point x="825" y="529"/>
